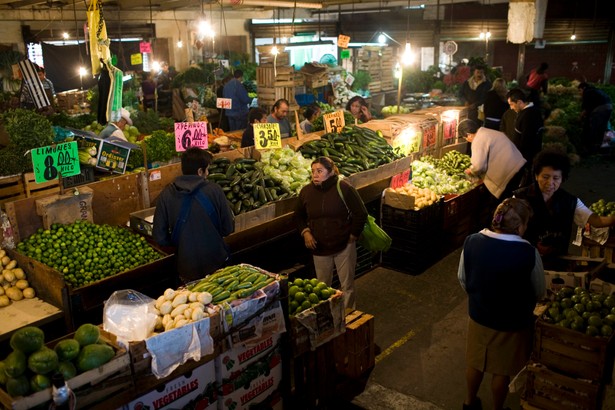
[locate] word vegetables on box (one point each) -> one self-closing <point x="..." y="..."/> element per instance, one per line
<point x="267" y="135"/>
<point x="55" y="160"/>
<point x="334" y="121"/>
<point x="190" y="134"/>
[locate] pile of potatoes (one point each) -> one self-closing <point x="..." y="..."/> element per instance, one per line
<point x="13" y="283"/>
<point x="176" y="308"/>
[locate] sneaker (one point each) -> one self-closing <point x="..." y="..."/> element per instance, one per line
<point x="477" y="405"/>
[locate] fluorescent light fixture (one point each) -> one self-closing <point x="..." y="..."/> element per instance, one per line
<point x="309" y="43"/>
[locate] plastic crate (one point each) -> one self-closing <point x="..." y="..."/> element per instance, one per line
<point x="410" y="262"/>
<point x="86" y="176"/>
<point x="304" y="99"/>
<point x="411" y="240"/>
<point x="458" y="206"/>
<point x="427" y="217"/>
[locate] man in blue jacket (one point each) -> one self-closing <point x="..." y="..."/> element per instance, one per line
<point x="238" y="113"/>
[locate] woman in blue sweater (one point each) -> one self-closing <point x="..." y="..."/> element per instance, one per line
<point x="503" y="277"/>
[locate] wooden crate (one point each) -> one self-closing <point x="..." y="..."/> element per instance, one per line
<point x="281" y="76"/>
<point x="314" y="378"/>
<point x="593" y="249"/>
<point x="89" y="387"/>
<point x="573" y="353"/>
<point x="354" y="349"/>
<point x="85" y="303"/>
<point x="265" y="57"/>
<point x="34" y="189"/>
<point x="11" y="188"/>
<point x="549" y="390"/>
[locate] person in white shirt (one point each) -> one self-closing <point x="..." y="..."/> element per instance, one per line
<point x="116" y="128"/>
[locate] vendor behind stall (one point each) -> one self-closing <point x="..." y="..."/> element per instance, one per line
<point x="279" y="115"/>
<point x="116" y="128"/>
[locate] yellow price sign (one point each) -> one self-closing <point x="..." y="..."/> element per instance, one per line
<point x="334" y="121"/>
<point x="267" y="135"/>
<point x="136" y="59"/>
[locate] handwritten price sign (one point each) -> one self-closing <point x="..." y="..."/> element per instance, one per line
<point x="49" y="162"/>
<point x="224" y="103"/>
<point x="267" y="135"/>
<point x="145" y="47"/>
<point x="400" y="180"/>
<point x="342" y="41"/>
<point x="334" y="121"/>
<point x="190" y="134"/>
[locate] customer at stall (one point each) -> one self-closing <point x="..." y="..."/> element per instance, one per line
<point x="473" y="92"/>
<point x="238" y="113"/>
<point x="193" y="215"/>
<point x="555" y="210"/>
<point x="495" y="104"/>
<point x="596" y="109"/>
<point x="357" y="106"/>
<point x="148" y="88"/>
<point x="279" y="115"/>
<point x="116" y="128"/>
<point x="503" y="277"/>
<point x="310" y="114"/>
<point x="330" y="216"/>
<point x="495" y="159"/>
<point x="255" y="116"/>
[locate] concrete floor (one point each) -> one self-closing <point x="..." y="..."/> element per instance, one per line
<point x="420" y="322"/>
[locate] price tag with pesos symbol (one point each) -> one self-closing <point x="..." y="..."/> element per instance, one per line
<point x="267" y="135"/>
<point x="334" y="121"/>
<point x="51" y="161"/>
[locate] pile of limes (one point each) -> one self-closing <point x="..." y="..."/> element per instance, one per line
<point x="582" y="310"/>
<point x="305" y="293"/>
<point x="85" y="252"/>
<point x="603" y="208"/>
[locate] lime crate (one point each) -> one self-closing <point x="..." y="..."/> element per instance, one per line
<point x="549" y="390"/>
<point x="573" y="353"/>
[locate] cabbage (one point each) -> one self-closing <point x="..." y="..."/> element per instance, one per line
<point x="287" y="167"/>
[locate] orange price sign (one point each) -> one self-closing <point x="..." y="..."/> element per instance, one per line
<point x="334" y="121"/>
<point x="342" y="41"/>
<point x="224" y="103"/>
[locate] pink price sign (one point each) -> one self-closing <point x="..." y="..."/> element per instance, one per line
<point x="190" y="134"/>
<point x="400" y="180"/>
<point x="145" y="47"/>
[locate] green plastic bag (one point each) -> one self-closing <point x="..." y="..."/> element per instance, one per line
<point x="373" y="237"/>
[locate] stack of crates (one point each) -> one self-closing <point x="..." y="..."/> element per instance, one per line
<point x="416" y="237"/>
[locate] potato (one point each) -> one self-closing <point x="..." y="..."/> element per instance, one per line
<point x="166" y="319"/>
<point x="14" y="293"/>
<point x="180" y="299"/>
<point x="179" y="310"/>
<point x="22" y="284"/>
<point x="12" y="264"/>
<point x="2" y="253"/>
<point x="5" y="260"/>
<point x="19" y="273"/>
<point x="187" y="313"/>
<point x="9" y="276"/>
<point x="192" y="297"/>
<point x="166" y="307"/>
<point x="181" y="322"/>
<point x="197" y="306"/>
<point x="1" y="291"/>
<point x="205" y="298"/>
<point x="159" y="301"/>
<point x="4" y="301"/>
<point x="29" y="293"/>
<point x="197" y="315"/>
<point x="169" y="294"/>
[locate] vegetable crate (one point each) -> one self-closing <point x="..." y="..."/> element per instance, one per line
<point x="85" y="304"/>
<point x="595" y="250"/>
<point x="11" y="188"/>
<point x="91" y="387"/>
<point x="549" y="390"/>
<point x="573" y="353"/>
<point x="354" y="349"/>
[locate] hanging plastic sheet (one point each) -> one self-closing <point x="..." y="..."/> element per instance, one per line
<point x="521" y="19"/>
<point x="99" y="42"/>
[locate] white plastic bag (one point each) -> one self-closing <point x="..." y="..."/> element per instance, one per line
<point x="129" y="315"/>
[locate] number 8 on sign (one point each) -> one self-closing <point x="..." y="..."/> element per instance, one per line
<point x="334" y="122"/>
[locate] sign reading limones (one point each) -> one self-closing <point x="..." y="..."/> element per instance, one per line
<point x="51" y="161"/>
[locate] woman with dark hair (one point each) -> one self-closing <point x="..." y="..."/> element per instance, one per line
<point x="503" y="277"/>
<point x="310" y="114"/>
<point x="555" y="210"/>
<point x="357" y="106"/>
<point x="330" y="216"/>
<point x="495" y="104"/>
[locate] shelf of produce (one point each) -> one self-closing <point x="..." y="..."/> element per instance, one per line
<point x="27" y="312"/>
<point x="85" y="303"/>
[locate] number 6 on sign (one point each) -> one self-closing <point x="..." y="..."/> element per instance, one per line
<point x="334" y="121"/>
<point x="267" y="135"/>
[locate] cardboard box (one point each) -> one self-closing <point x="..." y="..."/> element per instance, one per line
<point x="557" y="280"/>
<point x="196" y="389"/>
<point x="232" y="362"/>
<point x="142" y="221"/>
<point x="397" y="200"/>
<point x="355" y="349"/>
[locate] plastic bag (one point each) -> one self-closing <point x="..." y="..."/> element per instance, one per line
<point x="129" y="315"/>
<point x="373" y="237"/>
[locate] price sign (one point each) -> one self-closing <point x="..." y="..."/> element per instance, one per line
<point x="342" y="41"/>
<point x="429" y="136"/>
<point x="190" y="134"/>
<point x="334" y="121"/>
<point x="267" y="135"/>
<point x="400" y="179"/>
<point x="224" y="103"/>
<point x="345" y="54"/>
<point x="145" y="47"/>
<point x="136" y="59"/>
<point x="113" y="157"/>
<point x="449" y="129"/>
<point x="49" y="162"/>
<point x="349" y="79"/>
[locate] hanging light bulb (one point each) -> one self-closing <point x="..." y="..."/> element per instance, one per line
<point x="65" y="35"/>
<point x="204" y="28"/>
<point x="481" y="35"/>
<point x="274" y="51"/>
<point x="573" y="36"/>
<point x="381" y="38"/>
<point x="82" y="71"/>
<point x="407" y="58"/>
<point x="180" y="44"/>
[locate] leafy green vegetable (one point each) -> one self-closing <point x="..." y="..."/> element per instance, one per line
<point x="27" y="129"/>
<point x="12" y="161"/>
<point x="160" y="146"/>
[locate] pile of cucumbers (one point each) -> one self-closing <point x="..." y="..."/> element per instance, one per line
<point x="246" y="186"/>
<point x="353" y="150"/>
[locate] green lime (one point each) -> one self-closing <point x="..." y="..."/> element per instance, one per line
<point x="313" y="298"/>
<point x="594" y="321"/>
<point x="592" y="330"/>
<point x="306" y="304"/>
<point x="314" y="282"/>
<point x="324" y="295"/>
<point x="308" y="288"/>
<point x="293" y="290"/>
<point x="299" y="297"/>
<point x="566" y="303"/>
<point x="293" y="306"/>
<point x="298" y="282"/>
<point x="606" y="330"/>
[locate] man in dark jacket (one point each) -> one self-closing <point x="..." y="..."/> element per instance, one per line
<point x="238" y="113"/>
<point x="473" y="92"/>
<point x="596" y="111"/>
<point x="193" y="215"/>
